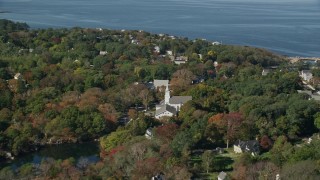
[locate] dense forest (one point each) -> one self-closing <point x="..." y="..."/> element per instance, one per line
<point x="73" y="85"/>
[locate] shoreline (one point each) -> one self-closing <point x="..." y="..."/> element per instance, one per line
<point x="279" y="52"/>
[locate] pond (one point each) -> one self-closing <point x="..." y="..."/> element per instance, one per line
<point x="88" y="151"/>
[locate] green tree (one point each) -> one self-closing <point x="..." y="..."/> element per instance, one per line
<point x="207" y="160"/>
<point x="7" y="173"/>
<point x="182" y="140"/>
<point x="114" y="139"/>
<point x="317" y="120"/>
<point x="281" y="151"/>
<point x="307" y="169"/>
<point x="26" y="170"/>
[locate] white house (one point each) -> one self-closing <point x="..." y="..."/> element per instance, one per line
<point x="216" y="43"/>
<point x="18" y="76"/>
<point x="171" y="105"/>
<point x="265" y="72"/>
<point x="103" y="53"/>
<point x="134" y="41"/>
<point x="222" y="175"/>
<point x="251" y="147"/>
<point x="180" y="60"/>
<point x="170" y="53"/>
<point x="157" y="49"/>
<point x="306" y="75"/>
<point x="148" y="133"/>
<point x="215" y="64"/>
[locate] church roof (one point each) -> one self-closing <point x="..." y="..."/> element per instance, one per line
<point x="165" y="108"/>
<point x="179" y="99"/>
<point x="159" y="83"/>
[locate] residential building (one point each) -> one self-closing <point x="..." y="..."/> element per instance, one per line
<point x="265" y="72"/>
<point x="134" y="41"/>
<point x="306" y="75"/>
<point x="216" y="43"/>
<point x="170" y="53"/>
<point x="103" y="53"/>
<point x="251" y="147"/>
<point x="149" y="133"/>
<point x="17" y="76"/>
<point x="157" y="49"/>
<point x="312" y="95"/>
<point x="222" y="175"/>
<point x="159" y="176"/>
<point x="215" y="64"/>
<point x="180" y="60"/>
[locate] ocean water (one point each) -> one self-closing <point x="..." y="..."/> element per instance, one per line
<point x="287" y="27"/>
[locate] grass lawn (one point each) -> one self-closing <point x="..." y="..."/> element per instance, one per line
<point x="222" y="162"/>
<point x="212" y="175"/>
<point x="230" y="153"/>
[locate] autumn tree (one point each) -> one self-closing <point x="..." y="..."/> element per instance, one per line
<point x="181" y="80"/>
<point x="146" y="97"/>
<point x="265" y="142"/>
<point x="91" y="99"/>
<point x="167" y="132"/>
<point x="262" y="170"/>
<point x="109" y="112"/>
<point x="228" y="124"/>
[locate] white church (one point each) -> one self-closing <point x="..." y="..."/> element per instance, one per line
<point x="170" y="105"/>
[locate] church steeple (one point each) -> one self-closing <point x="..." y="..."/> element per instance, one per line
<point x="167" y="95"/>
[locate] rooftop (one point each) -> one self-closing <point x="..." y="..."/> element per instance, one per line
<point x="159" y="83"/>
<point x="248" y="146"/>
<point x="165" y="108"/>
<point x="179" y="99"/>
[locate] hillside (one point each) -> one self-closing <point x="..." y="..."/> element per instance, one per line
<point x="74" y="85"/>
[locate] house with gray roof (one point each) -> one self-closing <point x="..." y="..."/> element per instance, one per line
<point x="149" y="133"/>
<point x="252" y="147"/>
<point x="312" y="95"/>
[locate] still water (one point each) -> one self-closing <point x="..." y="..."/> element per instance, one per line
<point x="88" y="152"/>
<point x="288" y="27"/>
